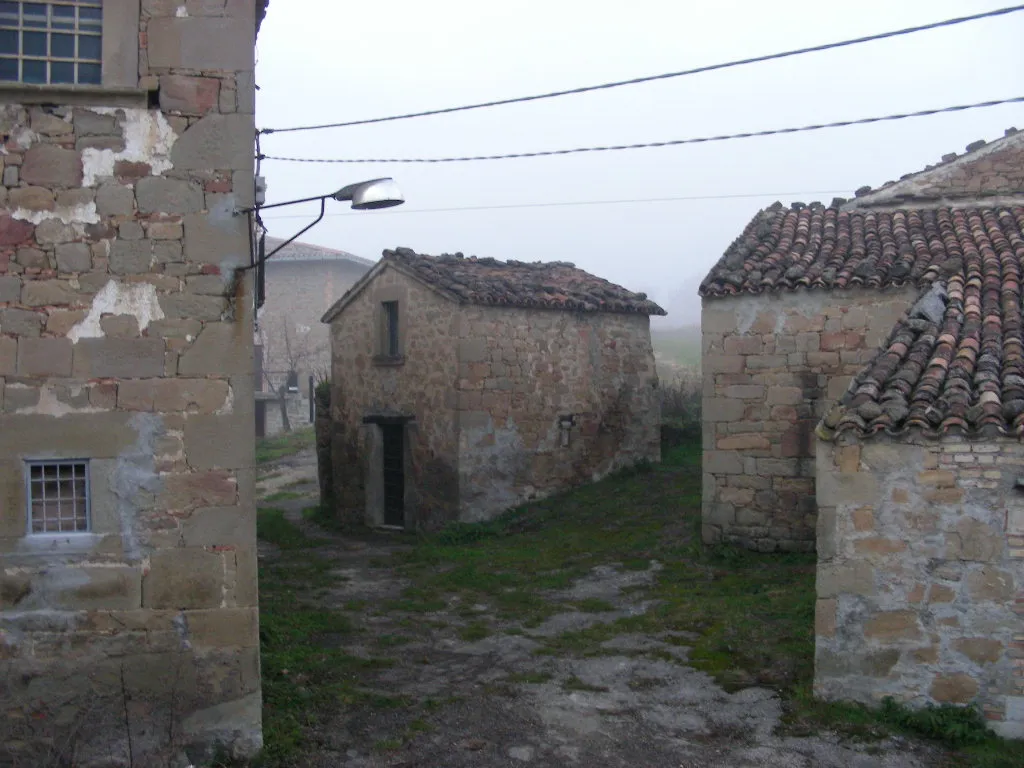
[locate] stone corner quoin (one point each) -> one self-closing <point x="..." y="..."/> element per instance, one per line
<point x="126" y="357"/>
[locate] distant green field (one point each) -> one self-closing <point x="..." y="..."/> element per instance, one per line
<point x="678" y="346"/>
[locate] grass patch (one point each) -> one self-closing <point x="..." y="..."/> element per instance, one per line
<point x="322" y="515"/>
<point x="529" y="678"/>
<point x="272" y="527"/>
<point x="594" y="605"/>
<point x="282" y="496"/>
<point x="474" y="631"/>
<point x="751" y="615"/>
<point x="307" y="675"/>
<point x="286" y="444"/>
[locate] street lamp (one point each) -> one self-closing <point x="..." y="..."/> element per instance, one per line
<point x="364" y="196"/>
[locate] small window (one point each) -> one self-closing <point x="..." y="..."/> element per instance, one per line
<point x="293" y="381"/>
<point x="54" y="43"/>
<point x="58" y="497"/>
<point x="390" y="346"/>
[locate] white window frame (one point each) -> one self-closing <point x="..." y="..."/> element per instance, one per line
<point x="29" y="464"/>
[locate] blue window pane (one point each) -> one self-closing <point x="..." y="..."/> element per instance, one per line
<point x="33" y="71"/>
<point x="8" y="8"/>
<point x="89" y="47"/>
<point x="62" y="72"/>
<point x="62" y="45"/>
<point x="8" y="41"/>
<point x="34" y="15"/>
<point x="90" y="18"/>
<point x="63" y="11"/>
<point x="90" y="74"/>
<point x="8" y="69"/>
<point x="33" y="43"/>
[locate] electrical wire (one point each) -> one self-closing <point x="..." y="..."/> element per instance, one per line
<point x="568" y="203"/>
<point x="664" y="76"/>
<point x="653" y="144"/>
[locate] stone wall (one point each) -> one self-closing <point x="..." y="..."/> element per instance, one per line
<point x="126" y="342"/>
<point x="921" y="574"/>
<point x="548" y="400"/>
<point x="988" y="172"/>
<point x="297" y="405"/>
<point x="418" y="388"/>
<point x="298" y="294"/>
<point x="772" y="364"/>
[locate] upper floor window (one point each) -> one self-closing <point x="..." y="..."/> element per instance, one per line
<point x="59" y="42"/>
<point x="389" y="336"/>
<point x="58" y="496"/>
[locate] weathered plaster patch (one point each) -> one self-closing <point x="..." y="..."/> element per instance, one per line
<point x="181" y="12"/>
<point x="136" y="299"/>
<point x="148" y="138"/>
<point x="229" y="402"/>
<point x="77" y="214"/>
<point x="135" y="473"/>
<point x="50" y="405"/>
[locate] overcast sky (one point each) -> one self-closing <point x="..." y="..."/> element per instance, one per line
<point x="327" y="61"/>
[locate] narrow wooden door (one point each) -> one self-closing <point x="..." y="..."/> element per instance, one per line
<point x="394" y="475"/>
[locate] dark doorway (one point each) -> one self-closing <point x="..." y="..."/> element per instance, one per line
<point x="261" y="418"/>
<point x="394" y="475"/>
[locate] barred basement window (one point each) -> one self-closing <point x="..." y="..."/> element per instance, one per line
<point x="59" y="42"/>
<point x="58" y="496"/>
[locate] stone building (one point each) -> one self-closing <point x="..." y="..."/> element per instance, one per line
<point x="302" y="281"/>
<point x="462" y="387"/>
<point x="921" y="499"/>
<point x="799" y="303"/>
<point x="128" y="604"/>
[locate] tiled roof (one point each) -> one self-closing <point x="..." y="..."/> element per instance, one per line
<point x="811" y="246"/>
<point x="540" y="285"/>
<point x="956" y="360"/>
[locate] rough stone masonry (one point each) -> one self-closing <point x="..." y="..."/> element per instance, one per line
<point x="771" y="366"/>
<point x="126" y="348"/>
<point x="920" y="562"/>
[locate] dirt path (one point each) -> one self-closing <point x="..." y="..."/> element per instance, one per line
<point x="464" y="687"/>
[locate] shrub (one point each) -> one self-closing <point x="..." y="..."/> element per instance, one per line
<point x="680" y="408"/>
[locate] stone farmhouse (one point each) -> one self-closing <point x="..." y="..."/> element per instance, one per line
<point x="903" y="443"/>
<point x="301" y="280"/>
<point x="798" y="304"/>
<point x="462" y="387"/>
<point x="128" y="599"/>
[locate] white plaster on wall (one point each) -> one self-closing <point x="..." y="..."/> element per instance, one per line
<point x="76" y="214"/>
<point x="50" y="405"/>
<point x="148" y="138"/>
<point x="136" y="299"/>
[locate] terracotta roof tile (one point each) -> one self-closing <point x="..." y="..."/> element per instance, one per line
<point x="813" y="246"/>
<point x="956" y="360"/>
<point x="542" y="285"/>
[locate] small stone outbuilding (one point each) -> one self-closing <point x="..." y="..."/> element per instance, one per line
<point x="801" y="301"/>
<point x="462" y="387"/>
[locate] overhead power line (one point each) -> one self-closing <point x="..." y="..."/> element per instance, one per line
<point x="664" y="76"/>
<point x="652" y="144"/>
<point x="568" y="203"/>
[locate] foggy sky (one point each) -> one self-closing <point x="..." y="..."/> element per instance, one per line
<point x="328" y="61"/>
